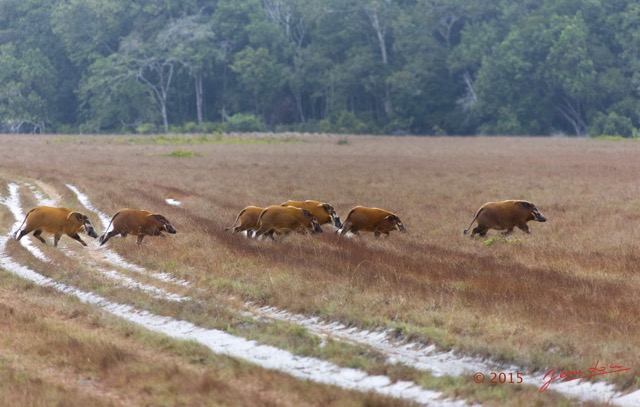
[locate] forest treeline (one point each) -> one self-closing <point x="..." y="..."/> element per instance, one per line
<point x="530" y="67"/>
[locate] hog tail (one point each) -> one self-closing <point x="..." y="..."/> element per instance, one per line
<point x="474" y="219"/>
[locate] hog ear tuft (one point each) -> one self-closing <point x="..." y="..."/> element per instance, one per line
<point x="159" y="217"/>
<point x="395" y="218"/>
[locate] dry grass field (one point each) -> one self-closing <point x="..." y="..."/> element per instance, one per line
<point x="563" y="297"/>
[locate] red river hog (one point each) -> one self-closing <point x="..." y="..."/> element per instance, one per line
<point x="284" y="219"/>
<point x="247" y="220"/>
<point x="505" y="216"/>
<point x="57" y="221"/>
<point x="323" y="212"/>
<point x="137" y="222"/>
<point x="374" y="220"/>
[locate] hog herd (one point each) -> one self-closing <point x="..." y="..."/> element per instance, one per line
<point x="59" y="221"/>
<point x="309" y="216"/>
<point x="290" y="216"/>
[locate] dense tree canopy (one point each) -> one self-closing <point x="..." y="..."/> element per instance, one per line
<point x="363" y="66"/>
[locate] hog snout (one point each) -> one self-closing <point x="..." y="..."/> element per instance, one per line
<point x="538" y="216"/>
<point x="91" y="231"/>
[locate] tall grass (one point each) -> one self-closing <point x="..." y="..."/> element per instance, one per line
<point x="563" y="297"/>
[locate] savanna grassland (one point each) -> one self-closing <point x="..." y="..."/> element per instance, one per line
<point x="562" y="297"/>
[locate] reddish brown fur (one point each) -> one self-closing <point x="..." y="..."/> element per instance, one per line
<point x="505" y="215"/>
<point x="139" y="222"/>
<point x="321" y="210"/>
<point x="284" y="219"/>
<point x="247" y="219"/>
<point x="376" y="220"/>
<point x="57" y="221"/>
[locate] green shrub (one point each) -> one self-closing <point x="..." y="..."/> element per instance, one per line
<point x="611" y="124"/>
<point x="146" y="128"/>
<point x="500" y="240"/>
<point x="348" y="122"/>
<point x="244" y="123"/>
<point x="182" y="154"/>
<point x="193" y="127"/>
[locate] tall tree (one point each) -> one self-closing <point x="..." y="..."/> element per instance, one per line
<point x="571" y="71"/>
<point x="381" y="14"/>
<point x="50" y="99"/>
<point x="423" y="90"/>
<point x="27" y="80"/>
<point x="292" y="17"/>
<point x="260" y="73"/>
<point x="112" y="99"/>
<point x="190" y="41"/>
<point x="153" y="66"/>
<point x="232" y="21"/>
